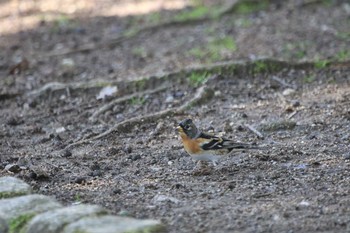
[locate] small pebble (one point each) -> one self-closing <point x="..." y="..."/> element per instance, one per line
<point x="169" y="99"/>
<point x="13" y="168"/>
<point x="288" y="91"/>
<point x="295" y="103"/>
<point x="347" y="156"/>
<point x="80" y="180"/>
<point x="67" y="153"/>
<point x="135" y="157"/>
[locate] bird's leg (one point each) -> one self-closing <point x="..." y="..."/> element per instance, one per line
<point x="201" y="168"/>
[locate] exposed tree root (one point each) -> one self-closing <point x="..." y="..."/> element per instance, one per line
<point x="229" y="68"/>
<point x="122" y="99"/>
<point x="203" y="94"/>
<point x="53" y="87"/>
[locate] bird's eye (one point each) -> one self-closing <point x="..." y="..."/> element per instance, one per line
<point x="187" y="127"/>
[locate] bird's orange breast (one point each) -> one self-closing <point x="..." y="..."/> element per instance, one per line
<point x="192" y="146"/>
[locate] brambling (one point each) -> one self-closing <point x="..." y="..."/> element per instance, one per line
<point x="205" y="147"/>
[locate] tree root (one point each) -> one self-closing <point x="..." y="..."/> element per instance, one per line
<point x="122" y="99"/>
<point x="130" y="87"/>
<point x="202" y="94"/>
<point x="229" y="68"/>
<point x="53" y="87"/>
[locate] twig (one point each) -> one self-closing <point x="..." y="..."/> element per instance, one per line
<point x="203" y="93"/>
<point x="282" y="82"/>
<point x="290" y="116"/>
<point x="251" y="128"/>
<point x="109" y="105"/>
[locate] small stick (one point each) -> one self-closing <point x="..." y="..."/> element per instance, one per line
<point x="282" y="82"/>
<point x="251" y="128"/>
<point x="202" y="93"/>
<point x="292" y="114"/>
<point x="111" y="104"/>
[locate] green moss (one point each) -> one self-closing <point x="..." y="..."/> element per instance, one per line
<point x="343" y="35"/>
<point x="309" y="79"/>
<point x="131" y="32"/>
<point x="153" y="18"/>
<point x="148" y="229"/>
<point x="213" y="50"/>
<point x="198" y="12"/>
<point x="137" y="101"/>
<point x="139" y="52"/>
<point x="320" y="64"/>
<point x="197" y="52"/>
<point x="243" y="22"/>
<point x="198" y="78"/>
<point x="141" y="84"/>
<point x="226" y="42"/>
<point x="195" y="13"/>
<point x="62" y="22"/>
<point x="343" y="55"/>
<point x="11" y="194"/>
<point x="247" y="7"/>
<point x="260" y="67"/>
<point x="17" y="225"/>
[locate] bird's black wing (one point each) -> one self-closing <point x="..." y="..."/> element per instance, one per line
<point x="216" y="143"/>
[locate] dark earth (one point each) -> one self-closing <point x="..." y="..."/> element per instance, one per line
<point x="271" y="73"/>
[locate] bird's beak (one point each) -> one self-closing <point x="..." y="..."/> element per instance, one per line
<point x="179" y="129"/>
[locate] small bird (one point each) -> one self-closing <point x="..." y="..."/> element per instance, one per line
<point x="205" y="147"/>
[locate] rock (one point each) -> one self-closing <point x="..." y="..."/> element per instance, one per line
<point x="13" y="121"/>
<point x="135" y="157"/>
<point x="124" y="213"/>
<point x="107" y="91"/>
<point x="217" y="93"/>
<point x="163" y="198"/>
<point x="60" y="130"/>
<point x="295" y="103"/>
<point x="67" y="153"/>
<point x="80" y="180"/>
<point x="96" y="173"/>
<point x="67" y="63"/>
<point x="54" y="221"/>
<point x="288" y="91"/>
<point x="114" y="224"/>
<point x="347" y="156"/>
<point x="179" y="94"/>
<point x="169" y="99"/>
<point x="15" y="168"/>
<point x="39" y="173"/>
<point x="26" y="206"/>
<point x="11" y="187"/>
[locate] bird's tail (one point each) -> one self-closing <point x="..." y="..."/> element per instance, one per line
<point x="241" y="146"/>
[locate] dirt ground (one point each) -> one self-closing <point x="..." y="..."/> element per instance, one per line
<point x="282" y="69"/>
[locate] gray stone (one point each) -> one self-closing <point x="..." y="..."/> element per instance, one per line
<point x="114" y="224"/>
<point x="163" y="198"/>
<point x="53" y="221"/>
<point x="3" y="225"/>
<point x="13" y="168"/>
<point x="12" y="208"/>
<point x="11" y="187"/>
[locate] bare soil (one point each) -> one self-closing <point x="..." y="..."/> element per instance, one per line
<point x="68" y="144"/>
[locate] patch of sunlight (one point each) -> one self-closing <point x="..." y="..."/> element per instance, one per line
<point x="27" y="14"/>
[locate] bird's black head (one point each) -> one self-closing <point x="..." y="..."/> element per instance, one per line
<point x="189" y="128"/>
